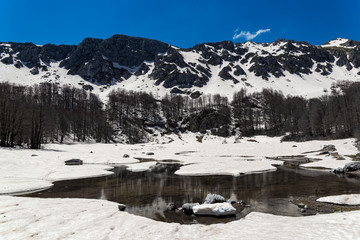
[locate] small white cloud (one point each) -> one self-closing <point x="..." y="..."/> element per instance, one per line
<point x="249" y="36"/>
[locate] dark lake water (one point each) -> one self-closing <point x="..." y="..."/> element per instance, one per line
<point x="148" y="193"/>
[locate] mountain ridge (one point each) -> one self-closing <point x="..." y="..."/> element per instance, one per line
<point x="140" y="64"/>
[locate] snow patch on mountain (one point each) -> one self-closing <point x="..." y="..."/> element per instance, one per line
<point x="338" y="42"/>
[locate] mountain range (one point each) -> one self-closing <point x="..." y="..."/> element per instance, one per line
<point x="139" y="64"/>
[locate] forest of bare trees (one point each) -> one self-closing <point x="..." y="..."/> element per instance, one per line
<point x="45" y="113"/>
<point x="30" y="116"/>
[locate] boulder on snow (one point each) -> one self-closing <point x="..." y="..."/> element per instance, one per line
<point x="328" y="148"/>
<point x="188" y="208"/>
<point x="34" y="71"/>
<point x="216" y="209"/>
<point x="214" y="198"/>
<point x="74" y="162"/>
<point x="18" y="64"/>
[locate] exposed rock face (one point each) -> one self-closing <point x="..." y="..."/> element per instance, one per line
<point x="225" y="74"/>
<point x="102" y="60"/>
<point x="263" y="66"/>
<point x="239" y="71"/>
<point x="7" y="60"/>
<point x="168" y="71"/>
<point x="53" y="52"/>
<point x="31" y="55"/>
<point x="120" y="57"/>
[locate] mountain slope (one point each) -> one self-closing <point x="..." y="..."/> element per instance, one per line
<point x="139" y="64"/>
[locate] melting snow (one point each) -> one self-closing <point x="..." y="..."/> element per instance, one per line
<point x="34" y="218"/>
<point x="345" y="199"/>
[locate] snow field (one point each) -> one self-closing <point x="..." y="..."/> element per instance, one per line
<point x="24" y="170"/>
<point x="34" y="218"/>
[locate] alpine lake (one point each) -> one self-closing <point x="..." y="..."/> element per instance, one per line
<point x="289" y="191"/>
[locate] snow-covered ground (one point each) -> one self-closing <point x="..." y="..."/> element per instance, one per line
<point x="33" y="218"/>
<point x="345" y="199"/>
<point x="25" y="170"/>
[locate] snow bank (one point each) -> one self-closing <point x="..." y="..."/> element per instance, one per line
<point x="27" y="170"/>
<point x="345" y="199"/>
<point x="234" y="168"/>
<point x="33" y="218"/>
<point x="16" y="185"/>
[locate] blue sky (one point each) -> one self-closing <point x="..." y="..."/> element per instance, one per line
<point x="180" y="23"/>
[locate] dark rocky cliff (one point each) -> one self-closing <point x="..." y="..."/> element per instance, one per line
<point x="120" y="57"/>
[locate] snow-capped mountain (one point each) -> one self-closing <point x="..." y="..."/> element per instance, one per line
<point x="139" y="64"/>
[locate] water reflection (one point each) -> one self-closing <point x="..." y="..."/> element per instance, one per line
<point x="148" y="193"/>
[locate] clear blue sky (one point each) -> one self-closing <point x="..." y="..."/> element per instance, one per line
<point x="181" y="23"/>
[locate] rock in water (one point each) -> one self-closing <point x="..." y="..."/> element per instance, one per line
<point x="214" y="198"/>
<point x="338" y="170"/>
<point x="122" y="207"/>
<point x="242" y="202"/>
<point x="216" y="209"/>
<point x="171" y="207"/>
<point x="352" y="166"/>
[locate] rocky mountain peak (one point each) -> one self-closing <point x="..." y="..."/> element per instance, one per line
<point x="150" y="64"/>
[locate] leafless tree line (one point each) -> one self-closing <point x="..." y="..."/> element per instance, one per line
<point x="45" y="113"/>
